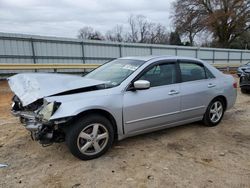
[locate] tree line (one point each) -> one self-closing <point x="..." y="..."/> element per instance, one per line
<point x="138" y="30"/>
<point x="210" y="23"/>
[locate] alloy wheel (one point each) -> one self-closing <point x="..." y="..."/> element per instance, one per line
<point x="92" y="139"/>
<point x="216" y="111"/>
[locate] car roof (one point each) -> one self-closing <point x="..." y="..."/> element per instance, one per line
<point x="156" y="57"/>
<point x="144" y="58"/>
<point x="171" y="57"/>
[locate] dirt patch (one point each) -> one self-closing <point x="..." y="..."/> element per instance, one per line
<point x="184" y="156"/>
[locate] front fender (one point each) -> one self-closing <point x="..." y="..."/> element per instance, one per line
<point x="69" y="110"/>
<point x="110" y="104"/>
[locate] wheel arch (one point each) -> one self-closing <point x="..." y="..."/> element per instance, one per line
<point x="102" y="112"/>
<point x="223" y="98"/>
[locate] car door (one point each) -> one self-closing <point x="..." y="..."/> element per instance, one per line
<point x="197" y="88"/>
<point x="154" y="107"/>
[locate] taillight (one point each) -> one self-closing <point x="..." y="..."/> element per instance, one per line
<point x="235" y="84"/>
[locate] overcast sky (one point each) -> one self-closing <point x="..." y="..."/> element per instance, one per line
<point x="63" y="18"/>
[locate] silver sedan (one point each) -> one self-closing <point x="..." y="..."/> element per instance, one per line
<point x="122" y="98"/>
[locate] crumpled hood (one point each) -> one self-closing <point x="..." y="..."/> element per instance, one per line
<point x="30" y="87"/>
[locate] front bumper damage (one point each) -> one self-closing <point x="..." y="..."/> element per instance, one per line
<point x="46" y="132"/>
<point x="28" y="120"/>
<point x="39" y="131"/>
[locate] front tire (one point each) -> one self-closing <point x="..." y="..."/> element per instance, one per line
<point x="214" y="113"/>
<point x="90" y="137"/>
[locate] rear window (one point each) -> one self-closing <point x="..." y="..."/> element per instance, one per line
<point x="209" y="74"/>
<point x="192" y="71"/>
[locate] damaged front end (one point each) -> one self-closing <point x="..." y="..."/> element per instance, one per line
<point x="35" y="118"/>
<point x="35" y="112"/>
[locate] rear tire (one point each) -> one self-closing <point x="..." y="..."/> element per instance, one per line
<point x="90" y="137"/>
<point x="214" y="112"/>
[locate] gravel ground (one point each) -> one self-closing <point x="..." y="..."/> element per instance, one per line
<point x="184" y="156"/>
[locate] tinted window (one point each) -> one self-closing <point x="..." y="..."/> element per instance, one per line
<point x="162" y="74"/>
<point x="192" y="71"/>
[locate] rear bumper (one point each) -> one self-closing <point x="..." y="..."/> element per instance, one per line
<point x="245" y="86"/>
<point x="231" y="99"/>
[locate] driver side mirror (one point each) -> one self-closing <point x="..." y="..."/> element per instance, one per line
<point x="141" y="84"/>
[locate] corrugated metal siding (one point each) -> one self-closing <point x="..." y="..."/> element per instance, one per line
<point x="101" y="51"/>
<point x="188" y="53"/>
<point x="246" y="55"/>
<point x="221" y="55"/>
<point x="204" y="54"/>
<point x="161" y="51"/>
<point x="95" y="61"/>
<point x="18" y="48"/>
<point x="135" y="51"/>
<point x="234" y="55"/>
<point x="57" y="49"/>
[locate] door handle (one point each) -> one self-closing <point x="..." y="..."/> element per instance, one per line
<point x="210" y="85"/>
<point x="173" y="92"/>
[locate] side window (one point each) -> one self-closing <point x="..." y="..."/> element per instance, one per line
<point x="192" y="71"/>
<point x="162" y="74"/>
<point x="209" y="74"/>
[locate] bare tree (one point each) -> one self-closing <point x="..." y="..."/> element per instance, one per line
<point x="89" y="33"/>
<point x="226" y="19"/>
<point x="140" y="30"/>
<point x="133" y="35"/>
<point x="158" y="34"/>
<point x="143" y="28"/>
<point x="144" y="31"/>
<point x="187" y="20"/>
<point x="116" y="34"/>
<point x="205" y="39"/>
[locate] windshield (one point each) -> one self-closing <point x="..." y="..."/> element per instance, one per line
<point x="114" y="72"/>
